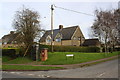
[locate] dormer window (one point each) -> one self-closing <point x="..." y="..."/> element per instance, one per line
<point x="48" y="39"/>
<point x="58" y="37"/>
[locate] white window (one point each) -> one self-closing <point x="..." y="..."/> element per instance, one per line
<point x="58" y="37"/>
<point x="74" y="38"/>
<point x="5" y="43"/>
<point x="48" y="39"/>
<point x="58" y="40"/>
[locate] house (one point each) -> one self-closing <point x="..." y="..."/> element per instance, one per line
<point x="10" y="40"/>
<point x="69" y="36"/>
<point x="91" y="42"/>
<point x="0" y="43"/>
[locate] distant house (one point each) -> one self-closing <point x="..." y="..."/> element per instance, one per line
<point x="0" y="43"/>
<point x="10" y="40"/>
<point x="71" y="36"/>
<point x="91" y="42"/>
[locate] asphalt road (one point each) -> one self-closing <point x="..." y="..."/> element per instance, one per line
<point x="107" y="69"/>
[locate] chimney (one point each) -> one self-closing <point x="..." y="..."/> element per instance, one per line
<point x="11" y="32"/>
<point x="60" y="27"/>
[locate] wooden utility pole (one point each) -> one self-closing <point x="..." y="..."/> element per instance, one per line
<point x="52" y="28"/>
<point x="37" y="52"/>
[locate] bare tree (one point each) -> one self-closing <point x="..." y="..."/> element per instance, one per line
<point x="117" y="20"/>
<point x="91" y="34"/>
<point x="105" y="27"/>
<point x="27" y="23"/>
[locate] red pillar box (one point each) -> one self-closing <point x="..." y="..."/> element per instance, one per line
<point x="44" y="55"/>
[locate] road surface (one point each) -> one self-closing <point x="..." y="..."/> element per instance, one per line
<point x="107" y="69"/>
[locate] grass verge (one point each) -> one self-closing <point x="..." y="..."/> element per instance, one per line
<point x="19" y="60"/>
<point x="59" y="58"/>
<point x="28" y="67"/>
<point x="6" y="58"/>
<point x="94" y="63"/>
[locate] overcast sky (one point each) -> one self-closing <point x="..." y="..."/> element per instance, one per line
<point x="8" y="9"/>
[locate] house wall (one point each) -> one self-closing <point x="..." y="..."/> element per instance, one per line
<point x="78" y="34"/>
<point x="57" y="43"/>
<point x="66" y="42"/>
<point x="44" y="43"/>
<point x="98" y="44"/>
<point x="63" y="42"/>
<point x="75" y="42"/>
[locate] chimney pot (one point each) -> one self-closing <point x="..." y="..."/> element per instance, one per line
<point x="60" y="26"/>
<point x="11" y="32"/>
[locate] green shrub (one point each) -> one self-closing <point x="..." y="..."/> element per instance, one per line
<point x="11" y="52"/>
<point x="117" y="49"/>
<point x="71" y="48"/>
<point x="6" y="58"/>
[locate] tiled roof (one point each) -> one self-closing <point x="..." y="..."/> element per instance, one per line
<point x="91" y="42"/>
<point x="9" y="38"/>
<point x="67" y="33"/>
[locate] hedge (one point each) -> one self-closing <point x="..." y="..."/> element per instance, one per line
<point x="110" y="49"/>
<point x="71" y="48"/>
<point x="11" y="52"/>
<point x="117" y="49"/>
<point x="14" y="52"/>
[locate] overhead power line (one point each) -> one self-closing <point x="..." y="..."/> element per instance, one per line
<point x="73" y="11"/>
<point x="59" y="18"/>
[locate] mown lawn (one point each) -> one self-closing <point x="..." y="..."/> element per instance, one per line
<point x="27" y="67"/>
<point x="56" y="58"/>
<point x="59" y="58"/>
<point x="19" y="60"/>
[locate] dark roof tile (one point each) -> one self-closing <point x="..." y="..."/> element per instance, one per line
<point x="91" y="42"/>
<point x="66" y="33"/>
